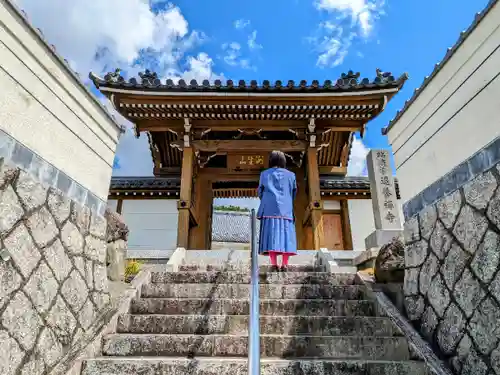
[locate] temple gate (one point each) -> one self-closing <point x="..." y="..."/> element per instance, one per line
<point x="217" y="138"/>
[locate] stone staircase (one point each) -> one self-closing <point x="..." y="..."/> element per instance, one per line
<point x="195" y="321"/>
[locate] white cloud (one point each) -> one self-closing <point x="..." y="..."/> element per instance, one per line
<point x="233" y="52"/>
<point x="363" y="13"/>
<point x="357" y="160"/>
<point x="252" y="41"/>
<point x="241" y="23"/>
<point x="336" y="35"/>
<point x="101" y="35"/>
<point x="233" y="56"/>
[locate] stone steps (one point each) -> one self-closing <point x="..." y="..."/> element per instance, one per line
<point x="190" y="277"/>
<point x="239" y="291"/>
<point x="283" y="346"/>
<point x="244" y="268"/>
<point x="195" y="322"/>
<point x="238" y="366"/>
<point x="226" y="306"/>
<point x="238" y="325"/>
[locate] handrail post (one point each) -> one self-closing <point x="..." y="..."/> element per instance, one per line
<point x="254" y="321"/>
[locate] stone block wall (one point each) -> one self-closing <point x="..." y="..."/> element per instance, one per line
<point x="452" y="275"/>
<point x="53" y="284"/>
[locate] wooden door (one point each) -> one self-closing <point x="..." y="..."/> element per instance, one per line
<point x="332" y="224"/>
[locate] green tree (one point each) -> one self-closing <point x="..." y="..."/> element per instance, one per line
<point x="231" y="208"/>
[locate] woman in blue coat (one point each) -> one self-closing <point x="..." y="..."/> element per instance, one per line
<point x="277" y="190"/>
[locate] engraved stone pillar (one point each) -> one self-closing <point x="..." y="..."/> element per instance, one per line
<point x="384" y="200"/>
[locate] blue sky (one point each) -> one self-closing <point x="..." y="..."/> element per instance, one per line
<point x="411" y="36"/>
<point x="272" y="39"/>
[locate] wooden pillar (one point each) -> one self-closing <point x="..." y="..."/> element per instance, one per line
<point x="300" y="205"/>
<point x="346" y="225"/>
<point x="184" y="203"/>
<point x="198" y="239"/>
<point x="119" y="206"/>
<point x="315" y="203"/>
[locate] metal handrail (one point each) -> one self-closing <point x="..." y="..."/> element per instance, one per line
<point x="254" y="321"/>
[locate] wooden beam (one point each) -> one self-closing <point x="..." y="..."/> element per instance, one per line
<point x="246" y="145"/>
<point x="336" y="171"/>
<point x="307" y="99"/>
<point x="184" y="205"/>
<point x="346" y="225"/>
<point x="155" y="124"/>
<point x="315" y="203"/>
<point x="163" y="171"/>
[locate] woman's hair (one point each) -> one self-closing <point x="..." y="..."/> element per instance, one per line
<point x="277" y="159"/>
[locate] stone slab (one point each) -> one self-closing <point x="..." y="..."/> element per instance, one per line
<point x="241" y="306"/>
<point x="182" y="277"/>
<point x="245" y="268"/>
<point x="283" y="346"/>
<point x="379" y="237"/>
<point x="237" y="291"/>
<point x="239" y="366"/>
<point x="238" y="325"/>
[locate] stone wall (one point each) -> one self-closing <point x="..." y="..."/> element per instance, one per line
<point x="53" y="284"/>
<point x="452" y="278"/>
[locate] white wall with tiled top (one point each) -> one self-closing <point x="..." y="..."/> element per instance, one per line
<point x="152" y="223"/>
<point x="455" y="115"/>
<point x="45" y="108"/>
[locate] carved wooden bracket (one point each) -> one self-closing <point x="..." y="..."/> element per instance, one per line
<point x="297" y="159"/>
<point x="177" y="146"/>
<point x="249" y="132"/>
<point x="204" y="159"/>
<point x="173" y="132"/>
<point x="321" y="146"/>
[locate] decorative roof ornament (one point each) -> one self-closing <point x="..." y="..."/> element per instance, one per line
<point x="114" y="77"/>
<point x="348" y="79"/>
<point x="383" y="77"/>
<point x="149" y="78"/>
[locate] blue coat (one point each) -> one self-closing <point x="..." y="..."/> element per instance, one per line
<point x="277" y="190"/>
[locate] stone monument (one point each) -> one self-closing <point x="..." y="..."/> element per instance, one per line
<point x="384" y="200"/>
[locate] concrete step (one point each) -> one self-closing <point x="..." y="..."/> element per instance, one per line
<point x="309" y="291"/>
<point x="238" y="325"/>
<point x="190" y="277"/>
<point x="245" y="268"/>
<point x="283" y="346"/>
<point x="239" y="366"/>
<point x="226" y="306"/>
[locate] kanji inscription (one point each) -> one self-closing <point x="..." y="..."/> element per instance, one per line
<point x="383" y="190"/>
<point x="246" y="162"/>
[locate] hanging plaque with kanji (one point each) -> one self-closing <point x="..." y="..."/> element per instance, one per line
<point x="246" y="162"/>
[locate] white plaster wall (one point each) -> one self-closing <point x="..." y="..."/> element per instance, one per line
<point x="455" y="116"/>
<point x="152" y="224"/>
<point x="331" y="205"/>
<point x="44" y="107"/>
<point x="362" y="222"/>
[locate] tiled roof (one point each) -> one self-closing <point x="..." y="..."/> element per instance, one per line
<point x="347" y="82"/>
<point x="174" y="183"/>
<point x="231" y="227"/>
<point x="449" y="53"/>
<point x="349" y="183"/>
<point x="145" y="183"/>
